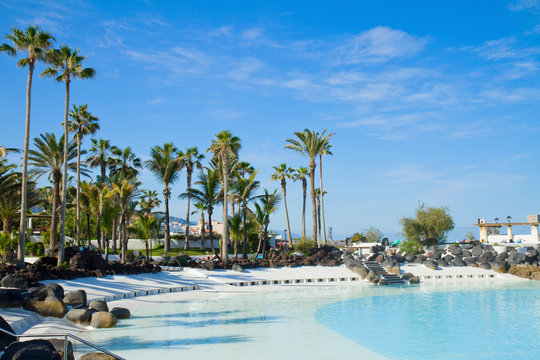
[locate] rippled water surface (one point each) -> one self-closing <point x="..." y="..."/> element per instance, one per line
<point x="484" y="321"/>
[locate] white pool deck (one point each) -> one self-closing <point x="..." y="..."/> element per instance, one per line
<point x="189" y="284"/>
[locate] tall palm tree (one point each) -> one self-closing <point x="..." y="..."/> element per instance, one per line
<point x="66" y="64"/>
<point x="244" y="195"/>
<point x="192" y="160"/>
<point x="235" y="226"/>
<point x="101" y="156"/>
<point x="325" y="150"/>
<point x="166" y="166"/>
<point x="125" y="163"/>
<point x="209" y="194"/>
<point x="98" y="196"/>
<point x="143" y="227"/>
<point x="149" y="201"/>
<point x="35" y="43"/>
<point x="300" y="175"/>
<point x="282" y="173"/>
<point x="318" y="201"/>
<point x="268" y="204"/>
<point x="83" y="123"/>
<point x="48" y="158"/>
<point x="122" y="194"/>
<point x="225" y="147"/>
<point x="310" y="143"/>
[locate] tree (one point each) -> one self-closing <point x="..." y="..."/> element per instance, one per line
<point x="143" y="227"/>
<point x="209" y="194"/>
<point x="225" y="147"/>
<point x="201" y="207"/>
<point x="245" y="188"/>
<point x="300" y="175"/>
<point x="373" y="235"/>
<point x="282" y="173"/>
<point x="149" y="201"/>
<point x="101" y="156"/>
<point x="48" y="158"/>
<point x="66" y="64"/>
<point x="430" y="225"/>
<point x="192" y="160"/>
<point x="124" y="163"/>
<point x="325" y="150"/>
<point x="166" y="166"/>
<point x="235" y="226"/>
<point x="122" y="194"/>
<point x="310" y="144"/>
<point x="35" y="43"/>
<point x="98" y="196"/>
<point x="83" y="123"/>
<point x="268" y="204"/>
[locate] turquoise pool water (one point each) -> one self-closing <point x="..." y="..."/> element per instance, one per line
<point x="487" y="321"/>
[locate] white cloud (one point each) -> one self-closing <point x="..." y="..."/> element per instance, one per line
<point x="227" y="114"/>
<point x="379" y="44"/>
<point x="523" y="4"/>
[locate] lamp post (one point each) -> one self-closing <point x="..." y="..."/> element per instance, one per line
<point x="509" y="218"/>
<point x="509" y="229"/>
<point x="496" y="220"/>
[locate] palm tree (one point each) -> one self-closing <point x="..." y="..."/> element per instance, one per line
<point x="300" y="175"/>
<point x="310" y="143"/>
<point x="98" y="196"/>
<point x="244" y="168"/>
<point x="83" y="123"/>
<point x="166" y="166"/>
<point x="209" y="194"/>
<point x="201" y="207"/>
<point x="318" y="201"/>
<point x="282" y="173"/>
<point x="66" y="65"/>
<point x="125" y="163"/>
<point x="268" y="204"/>
<point x="86" y="206"/>
<point x="8" y="189"/>
<point x="325" y="150"/>
<point x="143" y="227"/>
<point x="149" y="201"/>
<point x="225" y="147"/>
<point x="122" y="194"/>
<point x="34" y="42"/>
<point x="101" y="156"/>
<point x="235" y="226"/>
<point x="192" y="160"/>
<point x="244" y="195"/>
<point x="48" y="158"/>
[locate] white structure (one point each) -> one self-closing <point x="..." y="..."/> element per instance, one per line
<point x="489" y="232"/>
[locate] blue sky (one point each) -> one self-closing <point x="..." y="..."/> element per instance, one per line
<point x="430" y="101"/>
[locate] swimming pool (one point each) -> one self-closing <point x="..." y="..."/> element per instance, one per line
<point x="480" y="320"/>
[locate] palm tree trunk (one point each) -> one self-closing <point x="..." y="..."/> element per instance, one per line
<point x="203" y="230"/>
<point x="322" y="202"/>
<point x="284" y="191"/>
<point x="304" y="193"/>
<point x="24" y="182"/>
<point x="167" y="247"/>
<point x="88" y="227"/>
<point x="244" y="216"/>
<point x="260" y="245"/>
<point x="319" y="216"/>
<point x="186" y="242"/>
<point x="122" y="240"/>
<point x="78" y="231"/>
<point x="313" y="205"/>
<point x="210" y="229"/>
<point x="54" y="218"/>
<point x="98" y="231"/>
<point x="62" y="242"/>
<point x="225" y="245"/>
<point x="265" y="238"/>
<point x="106" y="247"/>
<point x="114" y="234"/>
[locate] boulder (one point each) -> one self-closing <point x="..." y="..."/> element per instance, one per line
<point x="410" y="258"/>
<point x="442" y="263"/>
<point x="6" y="339"/>
<point x="58" y="290"/>
<point x="237" y="267"/>
<point x="420" y="259"/>
<point x="40" y="293"/>
<point x="362" y="271"/>
<point x="470" y="261"/>
<point x="535" y="276"/>
<point x="351" y="264"/>
<point x="500" y="266"/>
<point x="414" y="280"/>
<point x="16" y="282"/>
<point x="485" y="266"/>
<point x="407" y="276"/>
<point x="96" y="356"/>
<point x="121" y="313"/>
<point x="516" y="258"/>
<point x="468" y="246"/>
<point x="59" y="346"/>
<point x="98" y="305"/>
<point x="383" y="282"/>
<point x="486" y="257"/>
<point x="458" y="261"/>
<point x="477" y="250"/>
<point x="448" y="258"/>
<point x="50" y="306"/>
<point x="32" y="349"/>
<point x="430" y="264"/>
<point x="466" y="253"/>
<point x="103" y="319"/>
<point x="455" y="250"/>
<point x="11" y="299"/>
<point x="502" y="256"/>
<point x="510" y="249"/>
<point x="79" y="316"/>
<point x="76" y="298"/>
<point x="372" y="276"/>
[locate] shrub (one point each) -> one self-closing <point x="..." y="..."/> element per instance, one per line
<point x="305" y="247"/>
<point x="412" y="247"/>
<point x="35" y="249"/>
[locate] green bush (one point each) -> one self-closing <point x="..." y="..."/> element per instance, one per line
<point x="34" y="249"/>
<point x="411" y="247"/>
<point x="305" y="247"/>
<point x="8" y="246"/>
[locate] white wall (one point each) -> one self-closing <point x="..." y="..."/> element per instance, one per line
<point x="137" y="244"/>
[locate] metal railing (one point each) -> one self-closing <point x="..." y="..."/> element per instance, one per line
<point x="65" y="336"/>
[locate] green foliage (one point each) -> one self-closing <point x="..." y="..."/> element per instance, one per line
<point x="305" y="247"/>
<point x="411" y="247"/>
<point x="430" y="226"/>
<point x="8" y="245"/>
<point x="357" y="237"/>
<point x="34" y="249"/>
<point x="470" y="236"/>
<point x="373" y="235"/>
